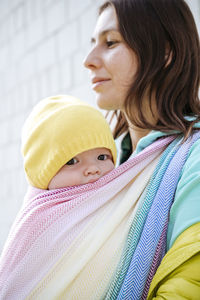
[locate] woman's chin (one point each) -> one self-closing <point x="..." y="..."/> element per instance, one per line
<point x="105" y="102"/>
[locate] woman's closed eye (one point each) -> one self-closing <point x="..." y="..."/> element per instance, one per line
<point x="103" y="157"/>
<point x="72" y="161"/>
<point x="111" y="43"/>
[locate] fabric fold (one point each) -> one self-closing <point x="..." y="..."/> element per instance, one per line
<point x="88" y="241"/>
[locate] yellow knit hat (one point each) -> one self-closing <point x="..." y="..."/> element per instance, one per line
<point x="58" y="129"/>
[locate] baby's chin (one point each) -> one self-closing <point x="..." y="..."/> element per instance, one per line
<point x="92" y="180"/>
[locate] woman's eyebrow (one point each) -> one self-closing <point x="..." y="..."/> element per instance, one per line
<point x="103" y="33"/>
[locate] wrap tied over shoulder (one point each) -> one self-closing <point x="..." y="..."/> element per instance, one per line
<point x="103" y="240"/>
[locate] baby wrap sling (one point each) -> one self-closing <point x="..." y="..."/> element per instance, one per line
<point x="103" y="240"/>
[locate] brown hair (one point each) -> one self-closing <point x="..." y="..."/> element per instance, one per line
<point x="154" y="28"/>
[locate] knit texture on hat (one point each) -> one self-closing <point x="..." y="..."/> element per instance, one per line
<point x="58" y="129"/>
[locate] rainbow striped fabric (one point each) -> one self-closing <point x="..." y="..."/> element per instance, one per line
<point x="103" y="240"/>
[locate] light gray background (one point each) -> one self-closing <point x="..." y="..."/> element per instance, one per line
<point x="42" y="46"/>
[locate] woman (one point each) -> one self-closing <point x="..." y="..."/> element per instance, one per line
<point x="135" y="232"/>
<point x="145" y="66"/>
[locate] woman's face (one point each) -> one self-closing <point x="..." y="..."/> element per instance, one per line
<point x="112" y="63"/>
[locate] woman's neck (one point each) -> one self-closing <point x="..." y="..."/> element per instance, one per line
<point x="136" y="134"/>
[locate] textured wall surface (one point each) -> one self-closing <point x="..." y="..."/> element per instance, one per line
<point x="42" y="46"/>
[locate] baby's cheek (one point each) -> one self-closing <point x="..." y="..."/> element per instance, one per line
<point x="110" y="166"/>
<point x="74" y="178"/>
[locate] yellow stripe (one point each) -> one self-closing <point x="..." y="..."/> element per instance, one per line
<point x="86" y="269"/>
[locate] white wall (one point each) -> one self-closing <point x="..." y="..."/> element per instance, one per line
<point x="195" y="7"/>
<point x="42" y="46"/>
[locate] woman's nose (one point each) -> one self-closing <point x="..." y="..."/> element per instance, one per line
<point x="92" y="170"/>
<point x="92" y="60"/>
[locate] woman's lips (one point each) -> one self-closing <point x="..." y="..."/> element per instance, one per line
<point x="97" y="81"/>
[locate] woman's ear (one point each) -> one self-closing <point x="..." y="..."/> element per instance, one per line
<point x="168" y="56"/>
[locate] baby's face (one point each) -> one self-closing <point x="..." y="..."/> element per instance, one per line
<point x="86" y="167"/>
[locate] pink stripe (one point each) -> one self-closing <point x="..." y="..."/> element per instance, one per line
<point x="62" y="214"/>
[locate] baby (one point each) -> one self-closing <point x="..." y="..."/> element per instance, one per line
<point x="66" y="142"/>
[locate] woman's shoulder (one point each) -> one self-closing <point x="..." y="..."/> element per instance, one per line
<point x="126" y="147"/>
<point x="185" y="209"/>
<point x="192" y="164"/>
<point x="153" y="135"/>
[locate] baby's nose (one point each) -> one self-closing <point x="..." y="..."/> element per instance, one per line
<point x="92" y="170"/>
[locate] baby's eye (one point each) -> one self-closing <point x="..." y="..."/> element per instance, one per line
<point x="103" y="157"/>
<point x="72" y="161"/>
